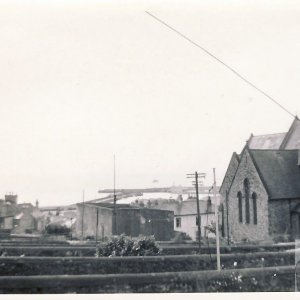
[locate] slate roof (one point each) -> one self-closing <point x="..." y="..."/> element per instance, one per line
<point x="279" y="171"/>
<point x="183" y="208"/>
<point x="189" y="207"/>
<point x="286" y="140"/>
<point x="268" y="141"/>
<point x="164" y="205"/>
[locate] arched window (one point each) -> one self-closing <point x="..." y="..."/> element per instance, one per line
<point x="240" y="200"/>
<point x="254" y="200"/>
<point x="247" y="202"/>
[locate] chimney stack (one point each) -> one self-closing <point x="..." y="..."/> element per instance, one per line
<point x="12" y="199"/>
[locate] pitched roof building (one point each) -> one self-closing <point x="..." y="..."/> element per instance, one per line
<point x="261" y="188"/>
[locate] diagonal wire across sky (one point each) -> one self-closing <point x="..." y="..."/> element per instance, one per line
<point x="221" y="62"/>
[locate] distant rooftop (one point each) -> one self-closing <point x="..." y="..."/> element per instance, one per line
<point x="106" y="205"/>
<point x="179" y="207"/>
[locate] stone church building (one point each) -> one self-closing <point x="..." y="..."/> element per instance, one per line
<point x="261" y="189"/>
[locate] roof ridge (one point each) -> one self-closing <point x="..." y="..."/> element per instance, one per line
<point x="269" y="134"/>
<point x="275" y="150"/>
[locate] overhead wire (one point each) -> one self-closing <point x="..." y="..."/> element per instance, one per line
<point x="221" y="62"/>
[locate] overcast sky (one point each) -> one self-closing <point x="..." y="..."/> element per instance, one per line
<point x="82" y="80"/>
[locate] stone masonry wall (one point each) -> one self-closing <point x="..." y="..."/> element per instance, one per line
<point x="279" y="217"/>
<point x="240" y="231"/>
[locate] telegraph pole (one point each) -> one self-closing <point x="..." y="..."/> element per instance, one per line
<point x="82" y="215"/>
<point x="227" y="217"/>
<point x="115" y="201"/>
<point x="97" y="224"/>
<point x="217" y="223"/>
<point x="195" y="176"/>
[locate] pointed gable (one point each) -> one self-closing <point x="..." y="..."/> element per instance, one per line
<point x="247" y="168"/>
<point x="292" y="138"/>
<point x="231" y="170"/>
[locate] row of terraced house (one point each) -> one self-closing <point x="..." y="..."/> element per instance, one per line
<point x="19" y="218"/>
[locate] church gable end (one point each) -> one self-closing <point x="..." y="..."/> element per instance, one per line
<point x="248" y="203"/>
<point x="231" y="170"/>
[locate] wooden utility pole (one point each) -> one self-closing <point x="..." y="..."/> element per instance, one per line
<point x="97" y="224"/>
<point x="196" y="177"/>
<point x="198" y="211"/>
<point x="82" y="215"/>
<point x="227" y="219"/>
<point x="115" y="202"/>
<point x="217" y="223"/>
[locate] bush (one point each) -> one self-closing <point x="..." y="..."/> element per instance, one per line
<point x="284" y="238"/>
<point x="181" y="237"/>
<point x="55" y="228"/>
<point x="126" y="246"/>
<point x="211" y="228"/>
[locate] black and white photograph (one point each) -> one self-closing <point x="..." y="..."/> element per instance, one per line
<point x="149" y="147"/>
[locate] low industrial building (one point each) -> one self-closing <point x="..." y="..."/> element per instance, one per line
<point x="100" y="220"/>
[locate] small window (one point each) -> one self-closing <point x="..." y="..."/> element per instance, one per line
<point x="240" y="203"/>
<point x="254" y="201"/>
<point x="178" y="222"/>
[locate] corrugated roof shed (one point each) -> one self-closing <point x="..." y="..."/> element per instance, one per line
<point x="280" y="172"/>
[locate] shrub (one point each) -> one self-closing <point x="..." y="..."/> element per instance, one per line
<point x="126" y="246"/>
<point x="180" y="237"/>
<point x="284" y="238"/>
<point x="211" y="228"/>
<point x="55" y="228"/>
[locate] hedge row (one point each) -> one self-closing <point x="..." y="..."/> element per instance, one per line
<point x="249" y="280"/>
<point x="169" y="249"/>
<point x="47" y="251"/>
<point x="45" y="244"/>
<point x="89" y="250"/>
<point x="10" y="266"/>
